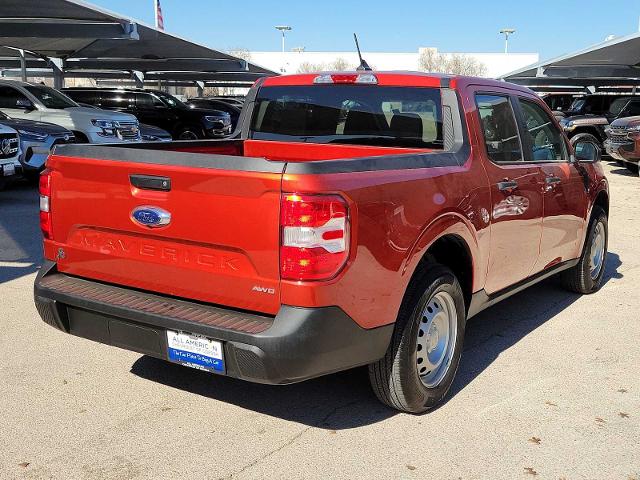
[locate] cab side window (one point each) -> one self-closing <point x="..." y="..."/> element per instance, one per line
<point x="9" y="97"/>
<point x="147" y="100"/>
<point x="544" y="140"/>
<point x="633" y="109"/>
<point x="499" y="128"/>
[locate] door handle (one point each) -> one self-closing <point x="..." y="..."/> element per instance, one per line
<point x="552" y="180"/>
<point x="507" y="186"/>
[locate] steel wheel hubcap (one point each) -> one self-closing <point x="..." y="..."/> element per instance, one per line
<point x="596" y="256"/>
<point x="437" y="334"/>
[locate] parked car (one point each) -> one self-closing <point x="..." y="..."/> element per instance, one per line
<point x="160" y="109"/>
<point x="559" y="103"/>
<point x="623" y="141"/>
<point x="148" y="133"/>
<point x="236" y="100"/>
<point x="37" y="139"/>
<point x="595" y="104"/>
<point x="10" y="168"/>
<point x="361" y="220"/>
<point x="45" y="104"/>
<point x="233" y="109"/>
<point x="592" y="127"/>
<point x="151" y="133"/>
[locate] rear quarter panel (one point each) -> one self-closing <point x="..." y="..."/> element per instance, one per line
<point x="396" y="215"/>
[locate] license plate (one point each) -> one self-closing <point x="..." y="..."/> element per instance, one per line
<point x="9" y="169"/>
<point x="195" y="351"/>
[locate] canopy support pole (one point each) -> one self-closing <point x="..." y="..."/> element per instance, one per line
<point x="23" y="65"/>
<point x="57" y="65"/>
<point x="138" y="78"/>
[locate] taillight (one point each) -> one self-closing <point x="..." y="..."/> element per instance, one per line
<point x="45" y="204"/>
<point x="315" y="236"/>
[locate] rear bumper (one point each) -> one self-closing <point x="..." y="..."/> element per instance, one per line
<point x="295" y="345"/>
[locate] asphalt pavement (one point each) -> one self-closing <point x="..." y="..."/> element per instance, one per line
<point x="548" y="388"/>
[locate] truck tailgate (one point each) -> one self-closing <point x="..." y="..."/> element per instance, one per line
<point x="221" y="244"/>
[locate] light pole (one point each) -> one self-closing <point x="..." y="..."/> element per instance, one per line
<point x="283" y="29"/>
<point x="507" y="32"/>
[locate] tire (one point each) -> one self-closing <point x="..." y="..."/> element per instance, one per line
<point x="583" y="278"/>
<point x="585" y="137"/>
<point x="80" y="137"/>
<point x="632" y="167"/>
<point x="395" y="378"/>
<point x="189" y="133"/>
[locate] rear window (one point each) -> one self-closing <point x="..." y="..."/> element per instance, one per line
<point x="352" y="114"/>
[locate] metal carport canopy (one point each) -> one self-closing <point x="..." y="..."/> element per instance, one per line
<point x="75" y="35"/>
<point x="614" y="62"/>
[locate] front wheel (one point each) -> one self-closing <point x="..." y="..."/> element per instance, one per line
<point x="586" y="276"/>
<point x="422" y="359"/>
<point x="189" y="133"/>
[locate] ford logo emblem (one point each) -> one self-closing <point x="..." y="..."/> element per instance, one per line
<point x="149" y="216"/>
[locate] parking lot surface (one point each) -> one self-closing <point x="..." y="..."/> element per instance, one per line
<point x="548" y="387"/>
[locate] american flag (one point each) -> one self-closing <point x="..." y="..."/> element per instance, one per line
<point x="159" y="19"/>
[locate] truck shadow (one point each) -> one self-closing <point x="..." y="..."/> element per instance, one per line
<point x="20" y="237"/>
<point x="345" y="400"/>
<point x="500" y="327"/>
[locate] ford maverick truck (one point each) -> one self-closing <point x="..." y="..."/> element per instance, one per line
<point x="357" y="219"/>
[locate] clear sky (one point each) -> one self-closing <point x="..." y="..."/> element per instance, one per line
<point x="549" y="27"/>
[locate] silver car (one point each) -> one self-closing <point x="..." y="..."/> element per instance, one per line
<point x="37" y="139"/>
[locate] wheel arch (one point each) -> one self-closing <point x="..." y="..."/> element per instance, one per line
<point x="602" y="201"/>
<point x="589" y="129"/>
<point x="452" y="243"/>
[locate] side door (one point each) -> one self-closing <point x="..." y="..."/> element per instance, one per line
<point x="16" y="104"/>
<point x="565" y="200"/>
<point x="118" y="101"/>
<point x="152" y="111"/>
<point x="516" y="194"/>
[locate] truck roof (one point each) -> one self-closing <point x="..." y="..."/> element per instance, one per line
<point x="395" y="78"/>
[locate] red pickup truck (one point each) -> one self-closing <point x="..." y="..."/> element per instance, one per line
<point x="357" y="219"/>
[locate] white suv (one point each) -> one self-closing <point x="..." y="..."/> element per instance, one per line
<point x="10" y="167"/>
<point x="39" y="102"/>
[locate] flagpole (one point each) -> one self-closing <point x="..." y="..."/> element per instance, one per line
<point x="155" y="11"/>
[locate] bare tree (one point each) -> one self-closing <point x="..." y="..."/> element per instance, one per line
<point x="457" y="64"/>
<point x="308" y="67"/>
<point x="242" y="53"/>
<point x="461" y="64"/>
<point x="340" y="65"/>
<point x="431" y="61"/>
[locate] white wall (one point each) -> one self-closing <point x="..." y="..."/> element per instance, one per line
<point x="496" y="63"/>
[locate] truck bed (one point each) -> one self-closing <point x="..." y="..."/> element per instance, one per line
<point x="224" y="202"/>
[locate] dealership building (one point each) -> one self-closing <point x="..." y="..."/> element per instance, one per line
<point x="495" y="64"/>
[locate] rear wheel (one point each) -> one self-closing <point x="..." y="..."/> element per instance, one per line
<point x="423" y="356"/>
<point x="586" y="276"/>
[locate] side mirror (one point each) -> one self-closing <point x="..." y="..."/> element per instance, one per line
<point x="587" y="151"/>
<point x="24" y="104"/>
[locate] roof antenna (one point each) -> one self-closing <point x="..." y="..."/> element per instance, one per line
<point x="363" y="64"/>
